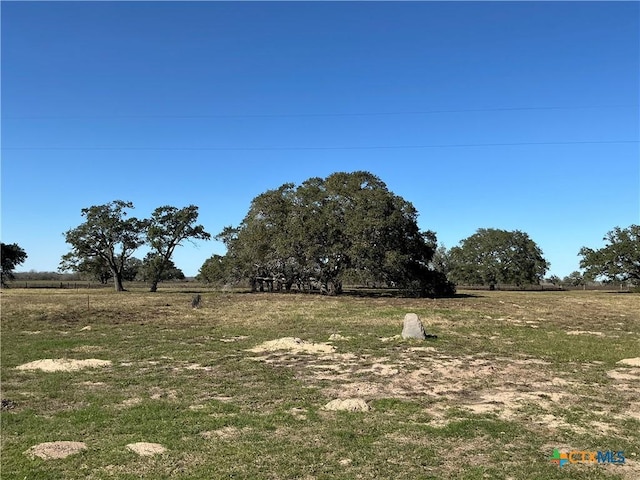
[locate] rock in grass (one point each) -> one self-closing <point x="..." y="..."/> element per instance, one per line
<point x="196" y="301"/>
<point x="412" y="327"/>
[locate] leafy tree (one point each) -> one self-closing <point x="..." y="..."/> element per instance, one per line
<point x="317" y="232"/>
<point x="132" y="267"/>
<point x="441" y="261"/>
<point x="12" y="256"/>
<point x="574" y="279"/>
<point x="167" y="229"/>
<point x="492" y="256"/>
<point x="105" y="235"/>
<point x="154" y="268"/>
<point x="94" y="268"/>
<point x="618" y="260"/>
<point x="214" y="270"/>
<point x="554" y="280"/>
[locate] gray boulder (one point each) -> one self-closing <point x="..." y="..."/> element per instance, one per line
<point x="412" y="327"/>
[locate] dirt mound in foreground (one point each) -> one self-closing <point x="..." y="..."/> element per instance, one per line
<point x="631" y="362"/>
<point x="145" y="449"/>
<point x="296" y="345"/>
<point x="348" y="404"/>
<point x="63" y="364"/>
<point x="55" y="450"/>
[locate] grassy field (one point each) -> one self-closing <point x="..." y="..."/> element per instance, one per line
<point x="511" y="377"/>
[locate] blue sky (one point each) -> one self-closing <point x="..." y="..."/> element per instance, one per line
<point x="518" y="115"/>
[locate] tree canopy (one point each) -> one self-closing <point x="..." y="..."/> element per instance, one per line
<point x="103" y="245"/>
<point x="493" y="256"/>
<point x="618" y="260"/>
<point x="316" y="232"/>
<point x="12" y="256"/>
<point x="167" y="228"/>
<point x="106" y="235"/>
<point x="214" y="270"/>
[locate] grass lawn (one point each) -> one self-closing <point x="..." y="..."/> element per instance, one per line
<point x="511" y="377"/>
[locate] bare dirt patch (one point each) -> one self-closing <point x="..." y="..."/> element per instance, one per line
<point x="292" y="344"/>
<point x="337" y="336"/>
<point x="197" y="366"/>
<point x="145" y="449"/>
<point x="130" y="402"/>
<point x="348" y="404"/>
<point x="87" y="349"/>
<point x="632" y="362"/>
<point x="226" y="433"/>
<point x="234" y="339"/>
<point x="157" y="393"/>
<point x="63" y="364"/>
<point x="627" y="374"/>
<point x="584" y="332"/>
<point x="506" y="387"/>
<point x="55" y="450"/>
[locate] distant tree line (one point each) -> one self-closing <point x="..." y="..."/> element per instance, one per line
<point x="135" y="270"/>
<point x="317" y="235"/>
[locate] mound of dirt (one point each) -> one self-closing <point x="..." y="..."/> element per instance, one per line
<point x="348" y="404"/>
<point x="145" y="449"/>
<point x="632" y="362"/>
<point x="55" y="450"/>
<point x="63" y="364"/>
<point x="292" y="344"/>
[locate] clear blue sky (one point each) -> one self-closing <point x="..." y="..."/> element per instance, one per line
<point x="518" y="115"/>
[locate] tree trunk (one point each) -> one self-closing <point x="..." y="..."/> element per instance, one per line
<point x="332" y="288"/>
<point x="154" y="286"/>
<point x="117" y="281"/>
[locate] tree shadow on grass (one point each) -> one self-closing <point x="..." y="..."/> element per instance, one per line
<point x="393" y="293"/>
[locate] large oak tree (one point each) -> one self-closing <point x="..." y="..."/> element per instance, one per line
<point x="618" y="260"/>
<point x="106" y="235"/>
<point x="167" y="229"/>
<point x="314" y="233"/>
<point x="493" y="256"/>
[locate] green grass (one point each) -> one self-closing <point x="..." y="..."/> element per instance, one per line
<point x="491" y="397"/>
